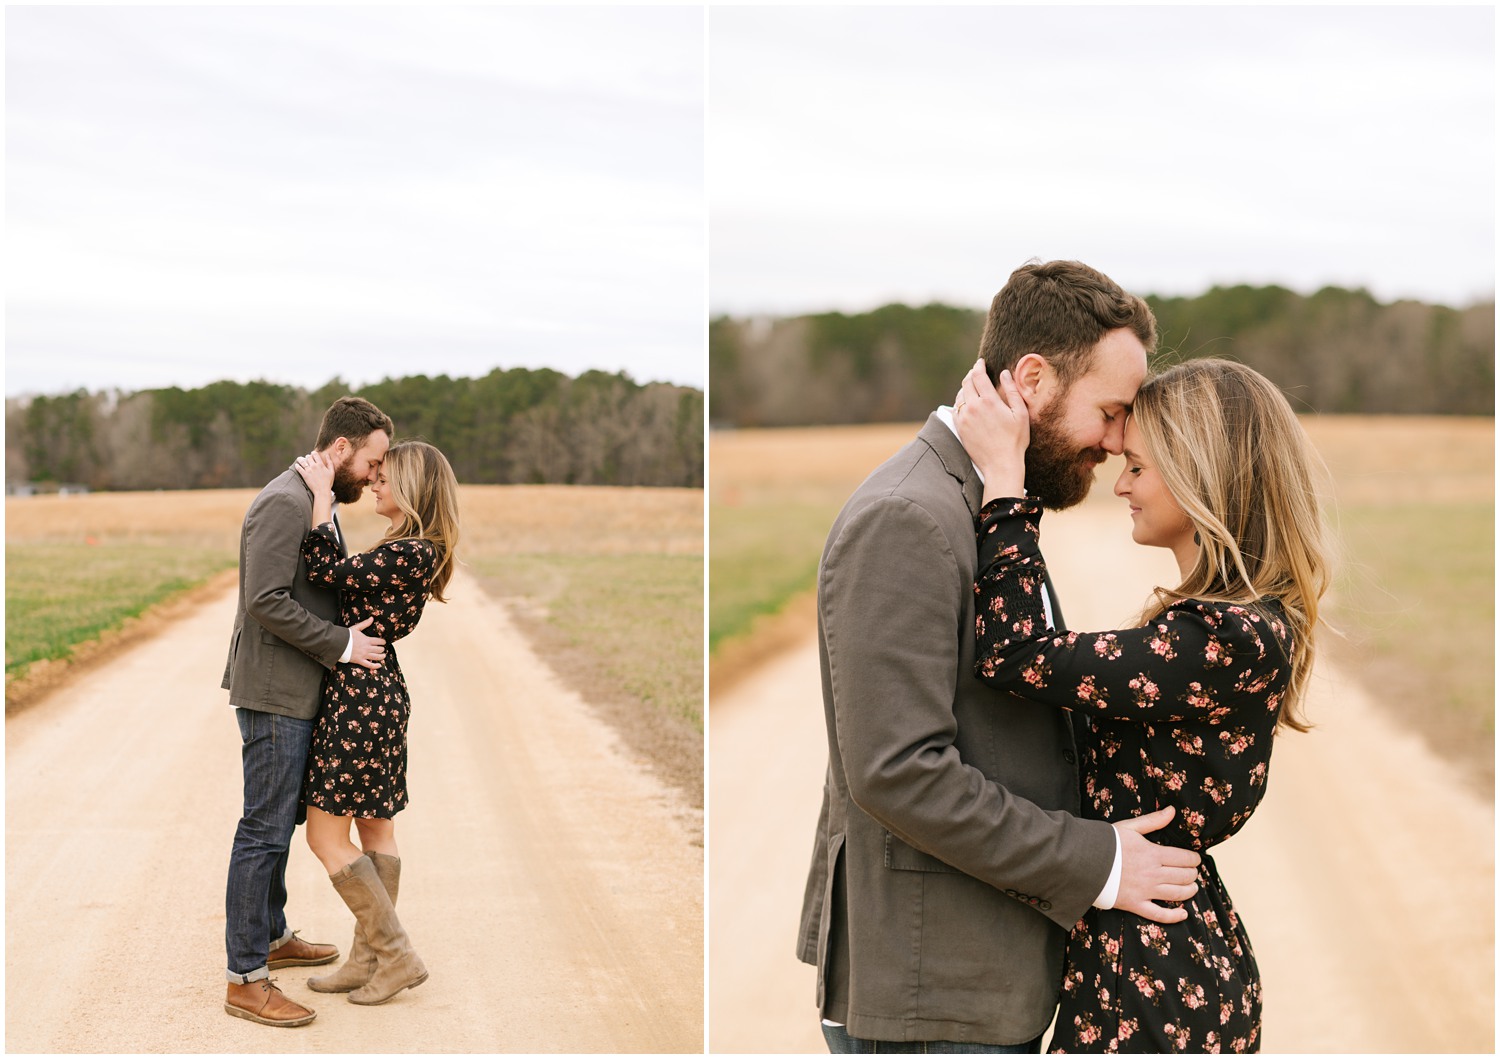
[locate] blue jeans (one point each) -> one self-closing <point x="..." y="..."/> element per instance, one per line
<point x="840" y="1043"/>
<point x="274" y="756"/>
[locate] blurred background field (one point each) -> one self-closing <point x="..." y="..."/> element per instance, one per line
<point x="607" y="582"/>
<point x="1413" y="506"/>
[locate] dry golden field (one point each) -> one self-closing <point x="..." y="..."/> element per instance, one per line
<point x="497" y="519"/>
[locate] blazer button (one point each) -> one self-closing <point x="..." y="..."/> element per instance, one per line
<point x="1011" y="893"/>
<point x="1069" y="756"/>
<point x="1045" y="906"/>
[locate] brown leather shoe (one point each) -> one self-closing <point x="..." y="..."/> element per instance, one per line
<point x="264" y="1003"/>
<point x="299" y="953"/>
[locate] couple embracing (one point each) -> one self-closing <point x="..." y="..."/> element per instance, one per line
<point x="322" y="705"/>
<point x="1017" y="818"/>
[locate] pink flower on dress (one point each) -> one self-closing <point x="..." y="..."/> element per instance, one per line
<point x="1198" y="697"/>
<point x="1088" y="692"/>
<point x="1236" y="742"/>
<point x="1088" y="1033"/>
<point x="1154" y="937"/>
<point x="1146" y="691"/>
<point x="1192" y="995"/>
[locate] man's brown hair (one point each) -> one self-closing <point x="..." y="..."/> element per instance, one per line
<point x="353" y="418"/>
<point x="1060" y="310"/>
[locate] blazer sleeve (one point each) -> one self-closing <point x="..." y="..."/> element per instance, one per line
<point x="891" y="595"/>
<point x="273" y="549"/>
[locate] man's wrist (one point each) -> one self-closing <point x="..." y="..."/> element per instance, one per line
<point x="349" y="653"/>
<point x="1111" y="891"/>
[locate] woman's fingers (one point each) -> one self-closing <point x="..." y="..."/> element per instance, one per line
<point x="1010" y="392"/>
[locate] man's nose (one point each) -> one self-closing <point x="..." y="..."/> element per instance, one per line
<point x="1114" y="437"/>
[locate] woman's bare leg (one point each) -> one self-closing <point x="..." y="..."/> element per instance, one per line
<point x="377" y="836"/>
<point x="328" y="837"/>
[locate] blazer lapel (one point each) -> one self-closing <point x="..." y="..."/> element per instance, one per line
<point x="339" y="532"/>
<point x="955" y="460"/>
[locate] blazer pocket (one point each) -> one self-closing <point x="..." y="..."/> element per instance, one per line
<point x="901" y="857"/>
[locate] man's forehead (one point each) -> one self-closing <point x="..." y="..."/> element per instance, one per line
<point x="1116" y="379"/>
<point x="1113" y="388"/>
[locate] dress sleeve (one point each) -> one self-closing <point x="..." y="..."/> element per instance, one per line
<point x="1194" y="660"/>
<point x="395" y="565"/>
<point x="320" y="551"/>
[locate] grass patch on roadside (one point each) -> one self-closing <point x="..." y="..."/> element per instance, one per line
<point x="59" y="595"/>
<point x="763" y="550"/>
<point x="626" y="631"/>
<point x="637" y="618"/>
<point x="1416" y="601"/>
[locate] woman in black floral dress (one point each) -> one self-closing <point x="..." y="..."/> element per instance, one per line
<point x="1180" y="711"/>
<point x="356" y="765"/>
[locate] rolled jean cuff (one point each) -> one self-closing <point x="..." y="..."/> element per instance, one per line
<point x="279" y="942"/>
<point x="246" y="979"/>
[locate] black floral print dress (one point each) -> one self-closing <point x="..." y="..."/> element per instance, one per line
<point x="356" y="765"/>
<point x="1179" y="712"/>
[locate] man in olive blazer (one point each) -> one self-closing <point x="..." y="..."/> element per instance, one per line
<point x="286" y="636"/>
<point x="949" y="861"/>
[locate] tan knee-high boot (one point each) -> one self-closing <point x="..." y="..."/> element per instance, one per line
<point x="360" y="965"/>
<point x="397" y="966"/>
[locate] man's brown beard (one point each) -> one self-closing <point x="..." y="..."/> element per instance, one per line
<point x="347" y="488"/>
<point x="1057" y="473"/>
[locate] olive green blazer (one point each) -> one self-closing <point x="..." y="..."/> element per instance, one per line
<point x="949" y="862"/>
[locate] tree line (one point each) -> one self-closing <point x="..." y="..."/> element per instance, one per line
<point x="516" y="426"/>
<point x="1337" y="351"/>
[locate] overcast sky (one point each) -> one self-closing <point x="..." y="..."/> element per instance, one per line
<point x="197" y="193"/>
<point x="859" y="156"/>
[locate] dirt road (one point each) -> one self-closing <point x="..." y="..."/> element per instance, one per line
<point x="553" y="887"/>
<point x="1366" y="879"/>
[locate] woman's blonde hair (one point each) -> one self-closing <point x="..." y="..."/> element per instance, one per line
<point x="424" y="489"/>
<point x="1232" y="453"/>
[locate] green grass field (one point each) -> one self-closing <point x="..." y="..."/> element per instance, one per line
<point x="632" y="623"/>
<point x="763" y="552"/>
<point x="59" y="595"/>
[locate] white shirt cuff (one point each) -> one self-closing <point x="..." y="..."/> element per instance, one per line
<point x="349" y="650"/>
<point x="1106" y="898"/>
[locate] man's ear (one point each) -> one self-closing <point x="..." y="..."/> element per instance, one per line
<point x="1034" y="378"/>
